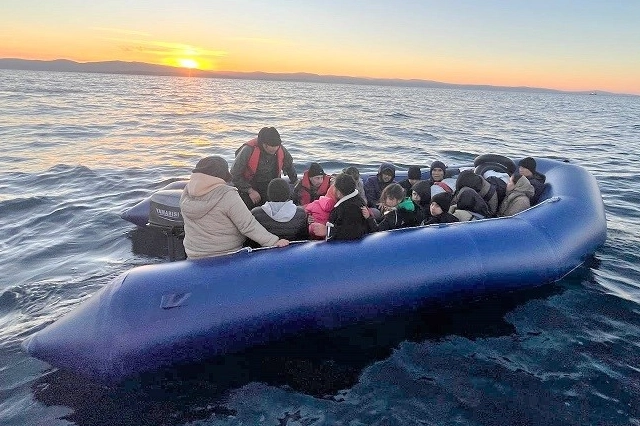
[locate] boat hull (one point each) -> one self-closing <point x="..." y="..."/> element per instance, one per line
<point x="157" y="315"/>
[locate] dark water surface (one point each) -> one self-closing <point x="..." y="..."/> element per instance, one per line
<point x="80" y="148"/>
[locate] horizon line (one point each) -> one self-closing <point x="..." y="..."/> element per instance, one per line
<point x="168" y="70"/>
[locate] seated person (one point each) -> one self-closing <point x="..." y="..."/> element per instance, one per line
<point x="527" y="168"/>
<point x="216" y="220"/>
<point x="413" y="175"/>
<point x="375" y="184"/>
<point x="313" y="184"/>
<point x="355" y="174"/>
<point x="397" y="210"/>
<point x="439" y="209"/>
<point x="517" y="199"/>
<point x="421" y="197"/>
<point x="476" y="182"/>
<point x="469" y="206"/>
<point x="347" y="221"/>
<point x="437" y="179"/>
<point x="279" y="215"/>
<point x="318" y="212"/>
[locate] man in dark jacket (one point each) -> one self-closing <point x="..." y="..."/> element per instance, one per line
<point x="258" y="162"/>
<point x="527" y="168"/>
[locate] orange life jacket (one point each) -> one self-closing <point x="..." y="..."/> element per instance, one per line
<point x="254" y="159"/>
<point x="305" y="186"/>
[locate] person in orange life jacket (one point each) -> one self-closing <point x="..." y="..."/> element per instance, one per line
<point x="527" y="168"/>
<point x="313" y="184"/>
<point x="258" y="162"/>
<point x="216" y="221"/>
<point x="437" y="173"/>
<point x="375" y="184"/>
<point x="347" y="221"/>
<point x="413" y="175"/>
<point x="439" y="209"/>
<point x="397" y="210"/>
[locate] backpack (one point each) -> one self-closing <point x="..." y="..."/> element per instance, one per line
<point x="499" y="186"/>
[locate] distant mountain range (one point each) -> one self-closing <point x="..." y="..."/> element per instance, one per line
<point x="141" y="68"/>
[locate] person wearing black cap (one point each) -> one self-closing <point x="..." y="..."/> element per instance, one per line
<point x="314" y="183"/>
<point x="279" y="215"/>
<point x="439" y="209"/>
<point x="258" y="162"/>
<point x="413" y="175"/>
<point x="347" y="220"/>
<point x="216" y="220"/>
<point x="527" y="168"/>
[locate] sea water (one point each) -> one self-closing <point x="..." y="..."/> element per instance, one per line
<point x="78" y="149"/>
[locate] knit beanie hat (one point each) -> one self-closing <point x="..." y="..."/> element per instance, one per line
<point x="438" y="165"/>
<point x="414" y="173"/>
<point x="315" y="169"/>
<point x="269" y="136"/>
<point x="443" y="199"/>
<point x="528" y="163"/>
<point x="345" y="184"/>
<point x="278" y="190"/>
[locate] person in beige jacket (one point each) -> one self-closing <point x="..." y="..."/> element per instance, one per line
<point x="216" y="220"/>
<point x="517" y="199"/>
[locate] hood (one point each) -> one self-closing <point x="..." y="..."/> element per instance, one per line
<point x="470" y="179"/>
<point x="470" y="200"/>
<point x="385" y="166"/>
<point x="201" y="194"/>
<point x="200" y="184"/>
<point x="280" y="211"/>
<point x="524" y="186"/>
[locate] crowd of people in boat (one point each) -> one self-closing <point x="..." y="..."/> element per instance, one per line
<point x="252" y="205"/>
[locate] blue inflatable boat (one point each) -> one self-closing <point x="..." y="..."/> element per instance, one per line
<point x="158" y="315"/>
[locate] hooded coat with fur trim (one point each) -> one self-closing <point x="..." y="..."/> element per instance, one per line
<point x="216" y="220"/>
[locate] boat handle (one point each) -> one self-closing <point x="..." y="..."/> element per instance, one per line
<point x="173" y="300"/>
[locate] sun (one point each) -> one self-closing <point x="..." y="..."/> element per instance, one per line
<point x="188" y="63"/>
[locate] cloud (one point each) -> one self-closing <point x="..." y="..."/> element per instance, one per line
<point x="162" y="48"/>
<point x="264" y="41"/>
<point x="121" y="31"/>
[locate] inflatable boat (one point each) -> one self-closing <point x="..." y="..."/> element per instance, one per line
<point x="158" y="315"/>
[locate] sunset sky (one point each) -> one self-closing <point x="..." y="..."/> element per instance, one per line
<point x="560" y="44"/>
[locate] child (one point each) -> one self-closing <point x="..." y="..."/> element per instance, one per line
<point x="355" y="174"/>
<point x="347" y="221"/>
<point x="279" y="215"/>
<point x="318" y="212"/>
<point x="397" y="210"/>
<point x="314" y="183"/>
<point x="421" y="197"/>
<point x="439" y="209"/>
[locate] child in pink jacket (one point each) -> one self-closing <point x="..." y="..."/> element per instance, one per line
<point x="319" y="211"/>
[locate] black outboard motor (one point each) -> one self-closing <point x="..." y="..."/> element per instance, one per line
<point x="164" y="214"/>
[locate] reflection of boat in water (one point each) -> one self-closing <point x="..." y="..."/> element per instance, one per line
<point x="183" y="311"/>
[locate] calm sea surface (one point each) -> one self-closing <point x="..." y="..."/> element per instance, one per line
<point x="78" y="149"/>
